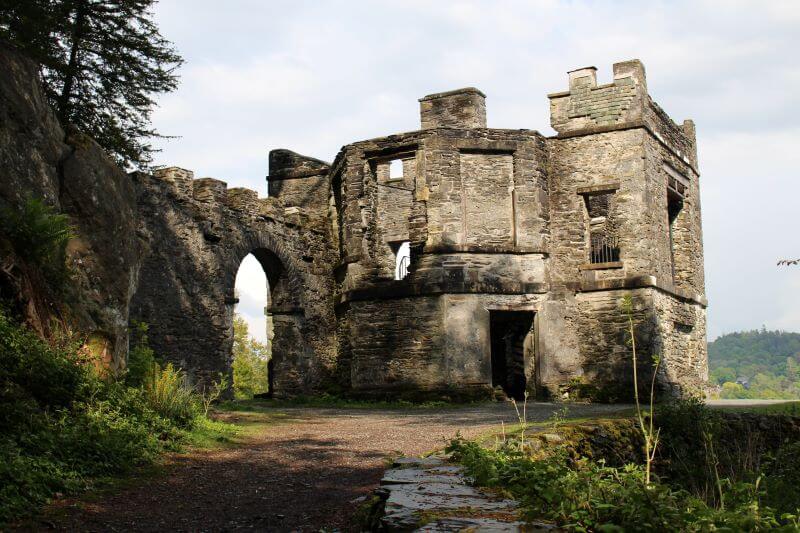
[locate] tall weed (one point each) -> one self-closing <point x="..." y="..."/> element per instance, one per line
<point x="169" y="394"/>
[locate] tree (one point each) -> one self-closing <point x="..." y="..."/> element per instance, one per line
<point x="250" y="359"/>
<point x="102" y="64"/>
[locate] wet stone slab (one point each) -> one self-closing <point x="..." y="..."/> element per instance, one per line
<point x="427" y="494"/>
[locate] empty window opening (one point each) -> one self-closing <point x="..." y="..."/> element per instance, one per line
<point x="402" y="259"/>
<point x="396" y="169"/>
<point x="603" y="241"/>
<point x="508" y="331"/>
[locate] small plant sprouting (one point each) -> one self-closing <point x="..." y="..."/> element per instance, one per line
<point x="523" y="419"/>
<point x="211" y="393"/>
<point x="649" y="432"/>
<point x="559" y="416"/>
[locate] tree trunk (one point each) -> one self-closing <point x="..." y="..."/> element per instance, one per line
<point x="72" y="67"/>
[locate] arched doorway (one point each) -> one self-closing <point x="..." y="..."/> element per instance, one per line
<point x="273" y="294"/>
<point x="252" y="331"/>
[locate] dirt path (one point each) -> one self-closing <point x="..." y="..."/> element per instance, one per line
<point x="302" y="469"/>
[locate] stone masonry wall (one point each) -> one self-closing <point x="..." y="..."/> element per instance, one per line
<point x="198" y="232"/>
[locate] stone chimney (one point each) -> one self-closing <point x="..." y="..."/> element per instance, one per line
<point x="462" y="109"/>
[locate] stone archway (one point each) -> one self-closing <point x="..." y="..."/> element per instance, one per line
<point x="198" y="232"/>
<point x="290" y="353"/>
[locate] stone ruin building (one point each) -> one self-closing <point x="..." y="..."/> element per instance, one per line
<point x="451" y="260"/>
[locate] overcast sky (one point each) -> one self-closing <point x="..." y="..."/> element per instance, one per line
<point x="313" y="76"/>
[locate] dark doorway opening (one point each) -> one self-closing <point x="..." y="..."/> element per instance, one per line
<point x="508" y="331"/>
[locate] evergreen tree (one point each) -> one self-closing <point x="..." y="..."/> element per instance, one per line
<point x="102" y="61"/>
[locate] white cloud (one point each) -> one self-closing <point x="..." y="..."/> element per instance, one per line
<point x="313" y="76"/>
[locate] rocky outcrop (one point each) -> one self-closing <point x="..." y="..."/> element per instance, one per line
<point x="72" y="173"/>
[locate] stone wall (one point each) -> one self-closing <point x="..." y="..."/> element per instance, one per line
<point x="197" y="233"/>
<point x="504" y="220"/>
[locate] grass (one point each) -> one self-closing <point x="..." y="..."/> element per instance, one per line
<point x="208" y="433"/>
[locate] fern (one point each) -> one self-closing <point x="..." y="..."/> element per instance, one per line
<point x="37" y="231"/>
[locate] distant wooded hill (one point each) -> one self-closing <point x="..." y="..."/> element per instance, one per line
<point x="766" y="364"/>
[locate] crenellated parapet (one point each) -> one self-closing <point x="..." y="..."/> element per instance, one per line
<point x="588" y="108"/>
<point x="212" y="196"/>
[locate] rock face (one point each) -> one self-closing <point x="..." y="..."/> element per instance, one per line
<point x="70" y="172"/>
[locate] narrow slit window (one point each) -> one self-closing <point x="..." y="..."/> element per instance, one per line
<point x="402" y="260"/>
<point x="396" y="169"/>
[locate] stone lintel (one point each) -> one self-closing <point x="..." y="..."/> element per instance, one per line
<point x="601" y="266"/>
<point x="598" y="189"/>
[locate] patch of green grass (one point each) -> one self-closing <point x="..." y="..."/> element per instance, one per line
<point x="208" y="433"/>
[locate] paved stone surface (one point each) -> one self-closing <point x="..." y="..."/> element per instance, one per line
<point x="435" y="488"/>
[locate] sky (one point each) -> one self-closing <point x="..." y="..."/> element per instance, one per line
<point x="314" y="76"/>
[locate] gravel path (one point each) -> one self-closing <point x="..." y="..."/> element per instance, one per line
<point x="304" y="471"/>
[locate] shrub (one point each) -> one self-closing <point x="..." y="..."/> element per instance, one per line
<point x="782" y="479"/>
<point x="141" y="357"/>
<point x="688" y="457"/>
<point x="63" y="424"/>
